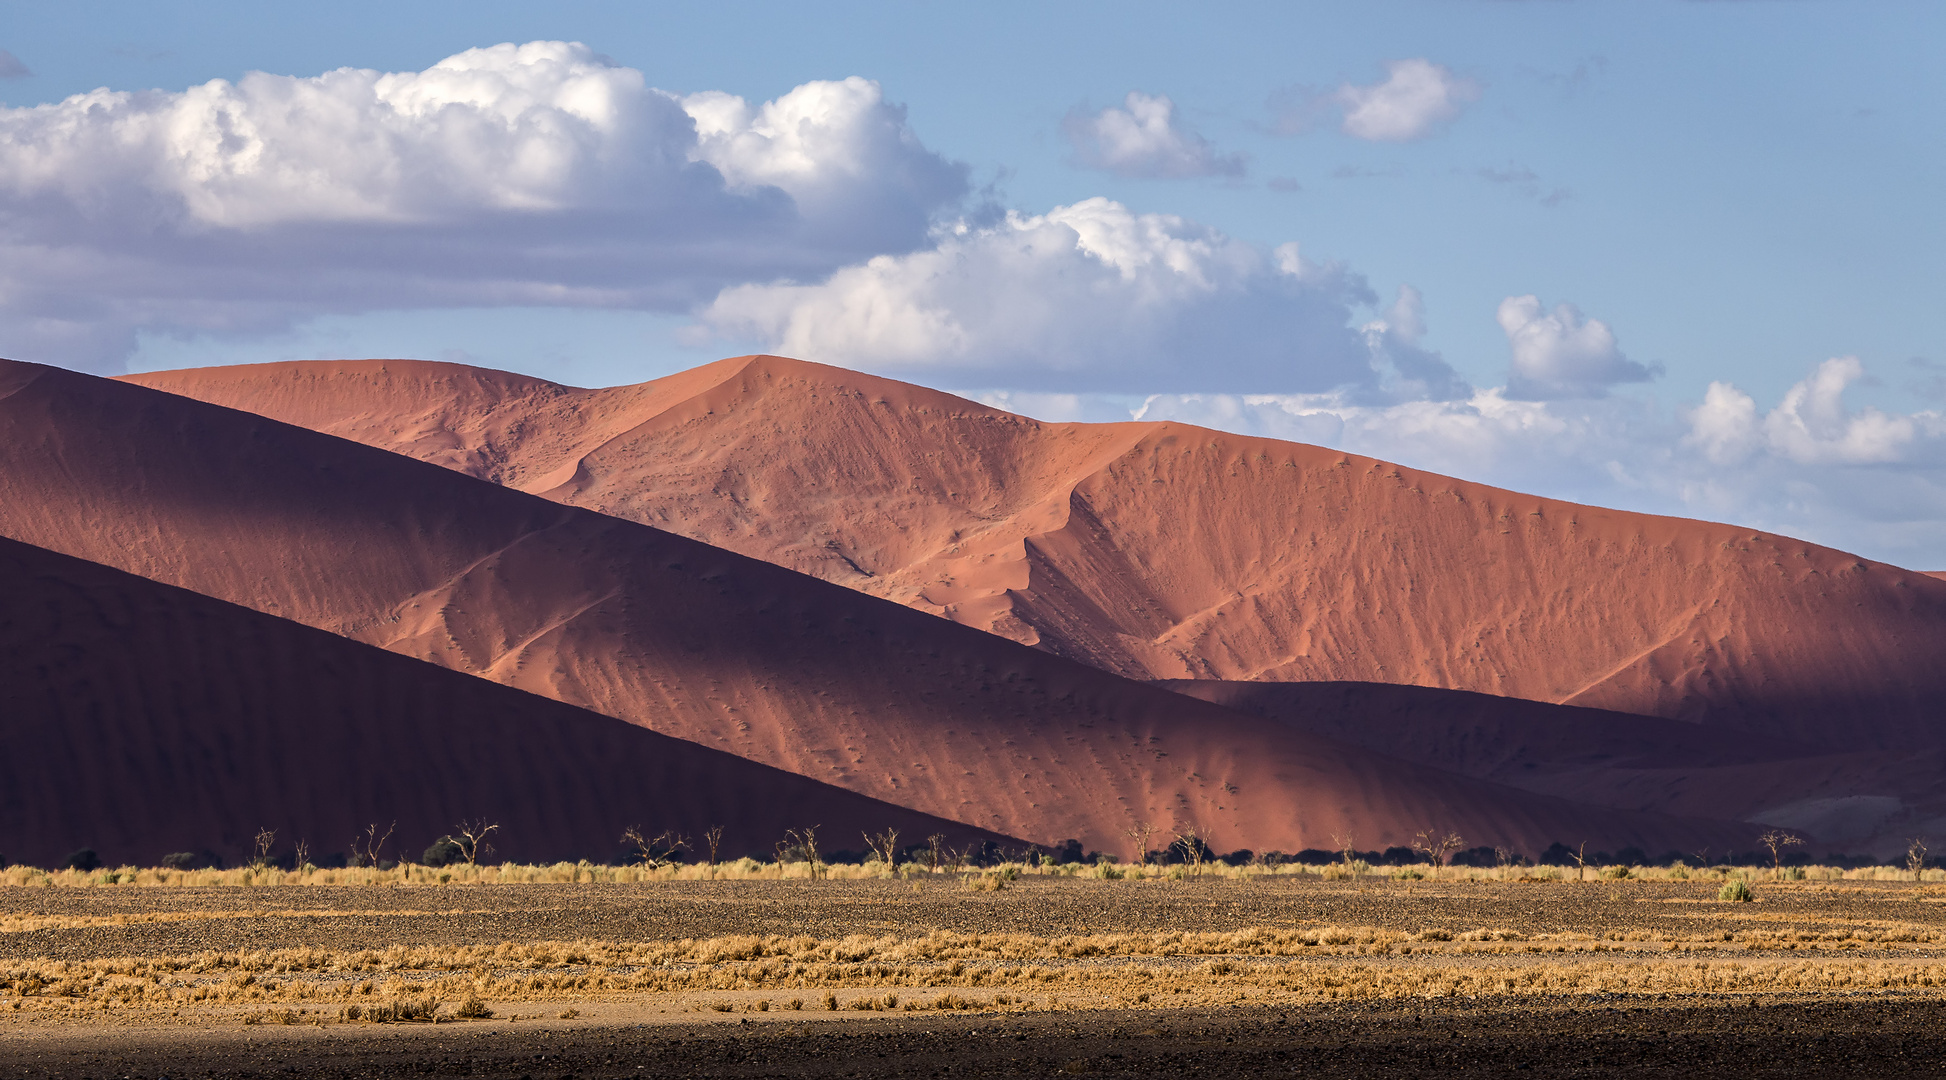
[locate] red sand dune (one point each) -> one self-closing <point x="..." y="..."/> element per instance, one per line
<point x="1168" y="551"/>
<point x="141" y="719"/>
<point x="1865" y="802"/>
<point x="702" y="643"/>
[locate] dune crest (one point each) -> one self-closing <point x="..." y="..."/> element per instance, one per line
<point x="1163" y="551"/>
<point x="701" y="643"/>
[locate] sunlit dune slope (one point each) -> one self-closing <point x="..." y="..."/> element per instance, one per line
<point x="1167" y="551"/>
<point x="1859" y="802"/>
<point x="141" y="719"/>
<point x="698" y="642"/>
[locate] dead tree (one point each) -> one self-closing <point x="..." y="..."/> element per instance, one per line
<point x="1190" y="839"/>
<point x="657" y="850"/>
<point x="472" y="839"/>
<point x="803" y="842"/>
<point x="1347" y="847"/>
<point x="1436" y="846"/>
<point x="367" y="855"/>
<point x="1777" y="840"/>
<point x="1140" y="832"/>
<point x="260" y="855"/>
<point x="885" y="846"/>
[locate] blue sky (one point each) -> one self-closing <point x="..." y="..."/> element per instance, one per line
<point x="1730" y="195"/>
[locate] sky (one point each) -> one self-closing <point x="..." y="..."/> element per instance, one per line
<point x="1682" y="258"/>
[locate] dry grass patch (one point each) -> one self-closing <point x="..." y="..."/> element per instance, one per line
<point x="948" y="971"/>
<point x="21" y="924"/>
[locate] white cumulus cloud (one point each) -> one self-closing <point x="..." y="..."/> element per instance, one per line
<point x="1725" y="425"/>
<point x="1145" y="139"/>
<point x="1810" y="426"/>
<point x="846" y="156"/>
<point x="536" y="174"/>
<point x="1086" y="296"/>
<point x="1561" y="353"/>
<point x="1416" y="97"/>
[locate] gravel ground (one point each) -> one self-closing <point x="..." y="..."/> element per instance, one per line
<point x="1883" y="1033"/>
<point x="1875" y="1038"/>
<point x="471" y="914"/>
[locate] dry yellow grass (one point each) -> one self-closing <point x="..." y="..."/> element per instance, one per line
<point x="20" y="924"/>
<point x="993" y="971"/>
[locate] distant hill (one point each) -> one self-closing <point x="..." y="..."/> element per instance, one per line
<point x="1159" y="550"/>
<point x="704" y="644"/>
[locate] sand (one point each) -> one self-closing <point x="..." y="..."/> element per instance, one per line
<point x="1868" y="801"/>
<point x="707" y="645"/>
<point x="143" y="719"/>
<point x="1159" y="550"/>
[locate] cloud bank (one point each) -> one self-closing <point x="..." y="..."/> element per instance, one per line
<point x="530" y="174"/>
<point x="1091" y="296"/>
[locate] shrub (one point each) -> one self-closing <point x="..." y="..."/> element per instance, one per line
<point x="180" y="860"/>
<point x="1481" y="857"/>
<point x="1617" y="872"/>
<point x="85" y="859"/>
<point x="401" y="1010"/>
<point x="473" y="1009"/>
<point x="444" y="851"/>
<point x="1735" y="891"/>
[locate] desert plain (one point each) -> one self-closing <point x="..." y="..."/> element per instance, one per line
<point x="998" y="971"/>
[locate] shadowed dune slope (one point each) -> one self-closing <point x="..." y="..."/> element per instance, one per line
<point x="1862" y="802"/>
<point x="1158" y="550"/>
<point x="1486" y="736"/>
<point x="698" y="642"/>
<point x="140" y="719"/>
